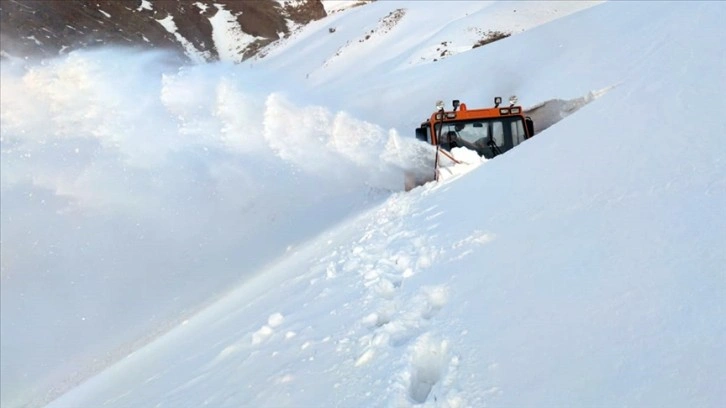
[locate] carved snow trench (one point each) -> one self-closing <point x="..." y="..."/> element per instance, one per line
<point x="547" y="113"/>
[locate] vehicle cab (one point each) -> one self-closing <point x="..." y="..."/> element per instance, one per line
<point x="488" y="131"/>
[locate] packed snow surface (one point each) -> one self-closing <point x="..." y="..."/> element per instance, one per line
<point x="236" y="235"/>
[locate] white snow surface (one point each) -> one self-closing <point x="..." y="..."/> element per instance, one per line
<point x="229" y="39"/>
<point x="145" y="5"/>
<point x="191" y="51"/>
<point x="334" y="6"/>
<point x="234" y="235"/>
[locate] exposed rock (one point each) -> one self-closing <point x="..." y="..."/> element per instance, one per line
<point x="46" y="28"/>
<point x="489" y="37"/>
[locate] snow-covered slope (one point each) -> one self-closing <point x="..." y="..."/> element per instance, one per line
<point x="584" y="268"/>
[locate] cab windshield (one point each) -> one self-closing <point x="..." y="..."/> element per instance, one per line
<point x="488" y="137"/>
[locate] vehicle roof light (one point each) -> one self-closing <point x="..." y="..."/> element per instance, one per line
<point x="504" y="111"/>
<point x="450" y="115"/>
<point x="515" y="110"/>
<point x="497" y="101"/>
<point x="439" y="105"/>
<point x="512" y="100"/>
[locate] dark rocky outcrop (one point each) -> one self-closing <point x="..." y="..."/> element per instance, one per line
<point x="47" y="27"/>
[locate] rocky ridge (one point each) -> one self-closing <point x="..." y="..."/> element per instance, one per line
<point x="201" y="30"/>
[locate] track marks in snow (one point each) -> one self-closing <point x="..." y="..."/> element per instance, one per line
<point x="379" y="313"/>
<point x="435" y="298"/>
<point x="398" y="327"/>
<point x="429" y="361"/>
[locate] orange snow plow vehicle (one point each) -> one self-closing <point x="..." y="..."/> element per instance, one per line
<point x="487" y="131"/>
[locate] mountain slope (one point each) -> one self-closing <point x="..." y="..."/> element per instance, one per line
<point x="584" y="268"/>
<point x="198" y="30"/>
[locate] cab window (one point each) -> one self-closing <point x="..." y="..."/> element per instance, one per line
<point x="488" y="137"/>
<point x="517" y="129"/>
<point x="423" y="133"/>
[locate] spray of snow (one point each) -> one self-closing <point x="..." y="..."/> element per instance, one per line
<point x="177" y="157"/>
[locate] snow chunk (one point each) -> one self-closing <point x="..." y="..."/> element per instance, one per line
<point x="285" y="379"/>
<point x="261" y="335"/>
<point x="468" y="161"/>
<point x="201" y="6"/>
<point x="275" y="320"/>
<point x="145" y="5"/>
<point x="365" y="357"/>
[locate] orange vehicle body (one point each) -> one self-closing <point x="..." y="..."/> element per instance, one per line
<point x="487" y="131"/>
<point x="465" y="114"/>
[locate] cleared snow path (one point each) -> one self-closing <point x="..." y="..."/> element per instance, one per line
<point x="546" y="114"/>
